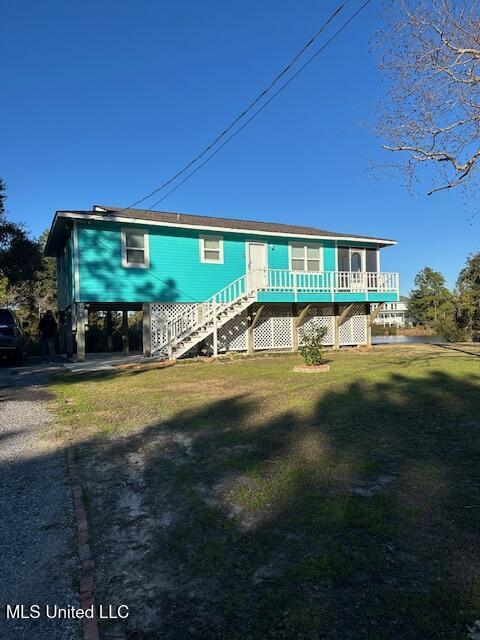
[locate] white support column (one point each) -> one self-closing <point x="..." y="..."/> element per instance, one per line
<point x="169" y="342"/>
<point x="215" y="336"/>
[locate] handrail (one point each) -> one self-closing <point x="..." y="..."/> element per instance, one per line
<point x="178" y="327"/>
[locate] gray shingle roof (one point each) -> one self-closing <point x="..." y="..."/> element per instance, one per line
<point x="227" y="223"/>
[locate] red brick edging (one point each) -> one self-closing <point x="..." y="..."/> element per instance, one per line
<point x="89" y="625"/>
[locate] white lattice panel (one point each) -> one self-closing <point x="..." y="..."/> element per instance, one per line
<point x="159" y="314"/>
<point x="354" y="329"/>
<point x="233" y="335"/>
<point x="320" y="315"/>
<point x="274" y="328"/>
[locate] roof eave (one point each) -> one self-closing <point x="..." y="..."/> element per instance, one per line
<point x="100" y="216"/>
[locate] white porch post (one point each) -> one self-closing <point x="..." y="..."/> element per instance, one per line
<point x="369" y="324"/>
<point x="169" y="342"/>
<point x="215" y="336"/>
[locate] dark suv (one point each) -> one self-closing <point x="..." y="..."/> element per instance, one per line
<point x="12" y="339"/>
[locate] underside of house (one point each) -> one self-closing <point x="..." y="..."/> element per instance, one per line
<point x="183" y="330"/>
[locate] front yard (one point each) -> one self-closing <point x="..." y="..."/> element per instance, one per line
<point x="240" y="500"/>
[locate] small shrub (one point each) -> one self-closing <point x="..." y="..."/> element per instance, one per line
<point x="311" y="346"/>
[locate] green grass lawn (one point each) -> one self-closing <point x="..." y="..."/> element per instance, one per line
<point x="241" y="500"/>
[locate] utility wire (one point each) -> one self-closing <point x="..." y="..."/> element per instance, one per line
<point x="284" y="86"/>
<point x="245" y="111"/>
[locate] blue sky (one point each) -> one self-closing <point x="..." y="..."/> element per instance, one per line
<point x="102" y="101"/>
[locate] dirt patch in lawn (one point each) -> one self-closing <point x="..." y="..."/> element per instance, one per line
<point x="337" y="508"/>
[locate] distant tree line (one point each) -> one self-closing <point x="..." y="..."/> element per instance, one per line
<point x="28" y="280"/>
<point x="453" y="314"/>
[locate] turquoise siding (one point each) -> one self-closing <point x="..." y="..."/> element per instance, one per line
<point x="65" y="279"/>
<point x="176" y="273"/>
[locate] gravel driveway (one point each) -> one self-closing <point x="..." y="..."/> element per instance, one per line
<point x="37" y="545"/>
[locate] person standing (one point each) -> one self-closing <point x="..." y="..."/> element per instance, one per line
<point x="47" y="328"/>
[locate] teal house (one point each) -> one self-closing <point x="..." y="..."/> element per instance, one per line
<point x="206" y="284"/>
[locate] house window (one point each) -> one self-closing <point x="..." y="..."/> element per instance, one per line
<point x="211" y="249"/>
<point x="135" y="248"/>
<point x="306" y="257"/>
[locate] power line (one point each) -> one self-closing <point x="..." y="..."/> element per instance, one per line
<point x="246" y="110"/>
<point x="284" y="86"/>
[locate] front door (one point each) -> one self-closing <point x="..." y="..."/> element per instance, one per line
<point x="257" y="264"/>
<point x="357" y="267"/>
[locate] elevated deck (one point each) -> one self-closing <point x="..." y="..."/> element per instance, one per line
<point x="283" y="285"/>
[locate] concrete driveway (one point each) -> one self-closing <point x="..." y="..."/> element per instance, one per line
<point x="37" y="543"/>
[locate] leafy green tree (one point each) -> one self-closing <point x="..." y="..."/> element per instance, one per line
<point x="28" y="280"/>
<point x="45" y="280"/>
<point x="468" y="285"/>
<point x="430" y="301"/>
<point x="20" y="256"/>
<point x="3" y="290"/>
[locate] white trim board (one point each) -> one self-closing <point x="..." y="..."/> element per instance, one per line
<point x="158" y="223"/>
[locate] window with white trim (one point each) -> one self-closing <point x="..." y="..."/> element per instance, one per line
<point x="135" y="248"/>
<point x="306" y="257"/>
<point x="211" y="249"/>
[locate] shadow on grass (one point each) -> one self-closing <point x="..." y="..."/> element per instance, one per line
<point x="355" y="519"/>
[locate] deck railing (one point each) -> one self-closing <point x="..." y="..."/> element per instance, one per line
<point x="328" y="281"/>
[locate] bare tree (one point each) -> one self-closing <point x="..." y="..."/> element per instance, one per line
<point x="431" y="62"/>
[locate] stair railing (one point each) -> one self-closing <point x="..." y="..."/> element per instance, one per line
<point x="184" y="323"/>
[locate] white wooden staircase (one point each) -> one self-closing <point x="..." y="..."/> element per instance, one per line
<point x="189" y="328"/>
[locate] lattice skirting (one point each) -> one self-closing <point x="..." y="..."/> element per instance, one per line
<point x="160" y="313"/>
<point x="354" y="330"/>
<point x="319" y="315"/>
<point x="274" y="329"/>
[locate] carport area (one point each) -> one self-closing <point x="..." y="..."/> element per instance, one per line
<point x="90" y="329"/>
